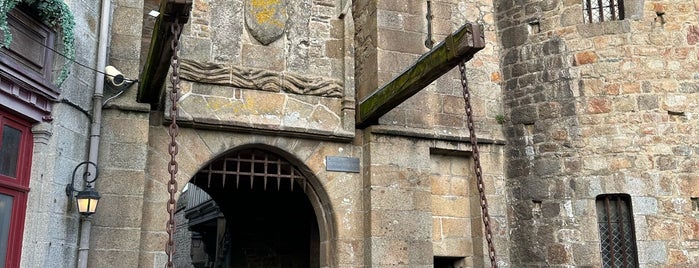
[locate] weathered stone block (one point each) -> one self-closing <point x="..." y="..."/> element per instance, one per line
<point x="535" y="188"/>
<point x="524" y="115"/>
<point x="599" y="105"/>
<point x="265" y="57"/>
<point x="558" y="254"/>
<point x="550" y="210"/>
<point x="652" y="252"/>
<point x="645" y="205"/>
<point x="405" y="224"/>
<point x="586" y="57"/>
<point x="456" y="227"/>
<point x="118" y="239"/>
<point x="648" y="102"/>
<point x="401" y="41"/>
<point x="514" y="36"/>
<point x="453" y="206"/>
<point x="108" y="258"/>
<point x="388" y="251"/>
<point x="440" y="185"/>
<point x="690" y="87"/>
<point x="547" y="167"/>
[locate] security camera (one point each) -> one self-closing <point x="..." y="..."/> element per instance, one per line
<point x="114" y="76"/>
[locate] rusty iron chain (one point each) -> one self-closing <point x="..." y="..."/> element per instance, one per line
<point x="173" y="148"/>
<point x="477" y="166"/>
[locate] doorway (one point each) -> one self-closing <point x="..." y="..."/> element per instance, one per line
<point x="250" y="208"/>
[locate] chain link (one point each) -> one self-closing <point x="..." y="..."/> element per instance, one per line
<point x="477" y="166"/>
<point x="173" y="148"/>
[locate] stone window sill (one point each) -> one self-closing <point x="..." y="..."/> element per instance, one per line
<point x="604" y="28"/>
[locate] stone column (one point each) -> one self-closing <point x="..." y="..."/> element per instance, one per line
<point x="116" y="228"/>
<point x="397" y="202"/>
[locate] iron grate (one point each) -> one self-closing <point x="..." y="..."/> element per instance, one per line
<point x="616" y="230"/>
<point x="253" y="168"/>
<point x="603" y="10"/>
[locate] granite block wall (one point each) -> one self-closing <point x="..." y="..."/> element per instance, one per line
<point x="51" y="230"/>
<point x="599" y="108"/>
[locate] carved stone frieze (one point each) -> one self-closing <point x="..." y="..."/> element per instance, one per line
<point x="259" y="79"/>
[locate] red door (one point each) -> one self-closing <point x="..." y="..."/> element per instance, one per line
<point x="15" y="163"/>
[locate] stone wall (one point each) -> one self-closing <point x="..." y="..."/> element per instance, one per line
<point x="295" y="81"/>
<point x="596" y="109"/>
<point x="425" y="203"/>
<point x="116" y="230"/>
<point x="51" y="229"/>
<point x="338" y="192"/>
<point x="296" y="94"/>
<point x="183" y="239"/>
<point x="456" y="226"/>
<point x="390" y="36"/>
<point x="411" y="216"/>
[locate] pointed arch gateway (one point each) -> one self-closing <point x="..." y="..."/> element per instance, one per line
<point x="257" y="206"/>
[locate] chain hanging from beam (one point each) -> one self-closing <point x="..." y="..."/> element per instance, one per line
<point x="429" y="43"/>
<point x="173" y="148"/>
<point x="477" y="166"/>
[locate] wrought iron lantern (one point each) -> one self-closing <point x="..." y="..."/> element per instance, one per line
<point x="88" y="198"/>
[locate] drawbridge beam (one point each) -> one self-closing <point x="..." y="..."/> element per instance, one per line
<point x="459" y="46"/>
<point x="157" y="65"/>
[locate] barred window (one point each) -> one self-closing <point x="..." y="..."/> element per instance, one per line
<point x="616" y="230"/>
<point x="603" y="10"/>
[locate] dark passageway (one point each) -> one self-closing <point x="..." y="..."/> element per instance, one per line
<point x="256" y="214"/>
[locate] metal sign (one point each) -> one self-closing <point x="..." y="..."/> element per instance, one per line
<point x="342" y="164"/>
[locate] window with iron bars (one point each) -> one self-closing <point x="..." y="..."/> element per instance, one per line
<point x="603" y="10"/>
<point x="616" y="231"/>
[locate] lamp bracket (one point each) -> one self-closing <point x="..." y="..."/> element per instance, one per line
<point x="70" y="188"/>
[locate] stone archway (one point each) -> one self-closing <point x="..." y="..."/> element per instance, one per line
<point x="253" y="207"/>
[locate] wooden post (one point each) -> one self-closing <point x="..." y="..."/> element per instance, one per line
<point x="462" y="45"/>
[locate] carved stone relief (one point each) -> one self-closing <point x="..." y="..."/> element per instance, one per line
<point x="259" y="79"/>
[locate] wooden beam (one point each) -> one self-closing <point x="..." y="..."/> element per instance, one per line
<point x="460" y="46"/>
<point x="157" y="64"/>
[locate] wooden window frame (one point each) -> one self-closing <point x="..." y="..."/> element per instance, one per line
<point x="17" y="187"/>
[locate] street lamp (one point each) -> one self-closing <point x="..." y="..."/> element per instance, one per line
<point x="88" y="198"/>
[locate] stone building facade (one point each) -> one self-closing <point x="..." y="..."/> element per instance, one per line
<point x="594" y="109"/>
<point x="44" y="225"/>
<point x="571" y="115"/>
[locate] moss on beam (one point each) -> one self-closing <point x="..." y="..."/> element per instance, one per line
<point x="462" y="45"/>
<point x="150" y="89"/>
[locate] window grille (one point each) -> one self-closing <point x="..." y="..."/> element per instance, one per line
<point x="603" y="10"/>
<point x="616" y="230"/>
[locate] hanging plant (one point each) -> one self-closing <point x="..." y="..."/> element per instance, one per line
<point x="53" y="13"/>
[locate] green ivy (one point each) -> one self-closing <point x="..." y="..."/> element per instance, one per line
<point x="53" y="13"/>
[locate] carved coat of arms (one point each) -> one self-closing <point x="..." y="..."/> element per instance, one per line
<point x="266" y="19"/>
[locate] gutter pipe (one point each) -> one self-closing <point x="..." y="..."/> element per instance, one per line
<point x="96" y="125"/>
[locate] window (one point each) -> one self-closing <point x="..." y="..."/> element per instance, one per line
<point x="603" y="10"/>
<point x="616" y="230"/>
<point x="15" y="163"/>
